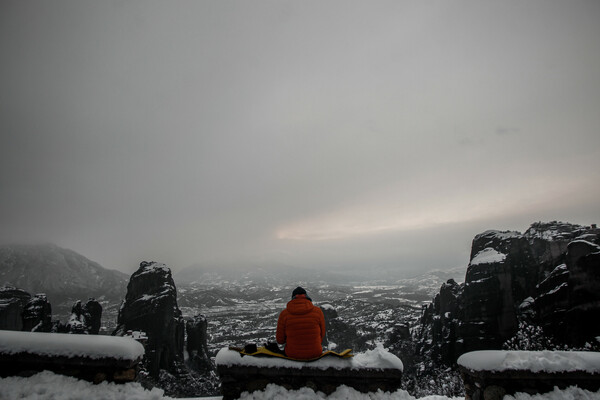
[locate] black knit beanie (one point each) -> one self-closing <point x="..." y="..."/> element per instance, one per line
<point x="298" y="290"/>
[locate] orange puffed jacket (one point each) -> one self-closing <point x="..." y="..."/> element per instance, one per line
<point x="301" y="326"/>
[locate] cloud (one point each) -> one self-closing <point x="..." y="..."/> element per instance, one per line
<point x="504" y="131"/>
<point x="424" y="209"/>
<point x="208" y="130"/>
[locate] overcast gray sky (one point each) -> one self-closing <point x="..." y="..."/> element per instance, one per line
<point x="314" y="133"/>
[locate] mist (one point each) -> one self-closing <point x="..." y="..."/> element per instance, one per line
<point x="337" y="135"/>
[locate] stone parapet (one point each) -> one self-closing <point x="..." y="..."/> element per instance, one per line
<point x="491" y="374"/>
<point x="90" y="357"/>
<point x="238" y="379"/>
<point x="365" y="372"/>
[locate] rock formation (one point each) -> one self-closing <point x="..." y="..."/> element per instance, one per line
<point x="85" y="319"/>
<point x="12" y="303"/>
<point x="151" y="306"/>
<point x="549" y="276"/>
<point x="93" y="312"/>
<point x="37" y="314"/>
<point x="197" y="344"/>
<point x="583" y="307"/>
<point x="552" y="300"/>
<point x="339" y="335"/>
<point x="446" y="316"/>
<point x="77" y="322"/>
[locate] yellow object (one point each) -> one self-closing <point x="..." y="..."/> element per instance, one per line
<point x="263" y="352"/>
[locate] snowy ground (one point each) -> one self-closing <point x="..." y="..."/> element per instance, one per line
<point x="49" y="386"/>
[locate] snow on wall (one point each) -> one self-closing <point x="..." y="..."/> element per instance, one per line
<point x="50" y="386"/>
<point x="488" y="256"/>
<point x="535" y="361"/>
<point x="342" y="393"/>
<point x="68" y="345"/>
<point x="378" y="358"/>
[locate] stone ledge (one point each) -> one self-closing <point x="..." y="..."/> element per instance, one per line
<point x="507" y="372"/>
<point x="90" y="357"/>
<point x="93" y="370"/>
<point x="510" y="382"/>
<point x="236" y="379"/>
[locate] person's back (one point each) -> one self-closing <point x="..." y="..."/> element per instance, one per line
<point x="301" y="326"/>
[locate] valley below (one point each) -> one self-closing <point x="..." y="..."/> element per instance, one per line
<point x="246" y="311"/>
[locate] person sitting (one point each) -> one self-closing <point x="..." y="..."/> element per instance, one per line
<point x="301" y="327"/>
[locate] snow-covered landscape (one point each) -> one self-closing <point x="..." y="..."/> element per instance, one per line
<point x="283" y="199"/>
<point x="427" y="327"/>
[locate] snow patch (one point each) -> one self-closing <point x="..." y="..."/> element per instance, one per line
<point x="488" y="256"/>
<point x="151" y="267"/>
<point x="378" y="358"/>
<point x="535" y="361"/>
<point x="342" y="393"/>
<point x="556" y="289"/>
<point x="68" y="345"/>
<point x="502" y="235"/>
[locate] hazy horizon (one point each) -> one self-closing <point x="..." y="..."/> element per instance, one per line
<point x="336" y="135"/>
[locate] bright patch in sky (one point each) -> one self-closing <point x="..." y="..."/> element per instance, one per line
<point x="425" y="207"/>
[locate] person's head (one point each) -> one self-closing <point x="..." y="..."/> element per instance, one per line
<point x="298" y="291"/>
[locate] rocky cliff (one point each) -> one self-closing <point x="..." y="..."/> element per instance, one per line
<point x="85" y="319"/>
<point x="19" y="311"/>
<point x="339" y="335"/>
<point x="12" y="304"/>
<point x="197" y="344"/>
<point x="37" y="314"/>
<point x="548" y="276"/>
<point x="151" y="306"/>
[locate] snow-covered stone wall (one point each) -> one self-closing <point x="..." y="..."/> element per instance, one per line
<point x="91" y="357"/>
<point x="491" y="374"/>
<point x="372" y="371"/>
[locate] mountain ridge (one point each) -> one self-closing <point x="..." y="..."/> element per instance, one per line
<point x="58" y="272"/>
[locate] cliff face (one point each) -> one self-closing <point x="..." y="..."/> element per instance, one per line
<point x="12" y="304"/>
<point x="548" y="275"/>
<point x="37" y="314"/>
<point x="338" y="332"/>
<point x="151" y="306"/>
<point x="583" y="306"/>
<point x="19" y="311"/>
<point x="85" y="319"/>
<point x="197" y="344"/>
